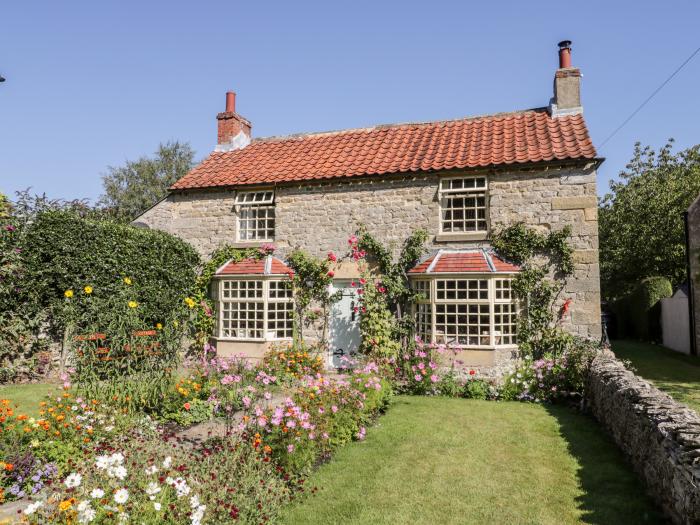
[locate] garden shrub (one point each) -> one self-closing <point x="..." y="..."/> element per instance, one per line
<point x="117" y="354"/>
<point x="639" y="312"/>
<point x="477" y="389"/>
<point x="552" y="377"/>
<point x="62" y="251"/>
<point x="293" y="361"/>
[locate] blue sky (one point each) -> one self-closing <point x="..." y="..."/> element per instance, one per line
<point x="91" y="84"/>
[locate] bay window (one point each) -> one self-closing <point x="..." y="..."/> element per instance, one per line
<point x="255" y="309"/>
<point x="478" y="311"/>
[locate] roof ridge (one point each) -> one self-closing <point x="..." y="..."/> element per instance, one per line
<point x="313" y="134"/>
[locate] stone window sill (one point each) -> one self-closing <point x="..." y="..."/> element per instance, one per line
<point x="452" y="237"/>
<point x="250" y="244"/>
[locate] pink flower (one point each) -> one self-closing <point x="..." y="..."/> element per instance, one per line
<point x="290" y="448"/>
<point x="353" y="284"/>
<point x="434" y="378"/>
<point x="332" y="257"/>
<point x="330" y="273"/>
<point x="334" y="409"/>
<point x="246" y="401"/>
<point x="267" y="395"/>
<point x="418" y="377"/>
<point x="352" y="239"/>
<point x="361" y="433"/>
<point x="363" y="280"/>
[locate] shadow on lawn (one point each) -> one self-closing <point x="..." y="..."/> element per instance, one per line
<point x="612" y="492"/>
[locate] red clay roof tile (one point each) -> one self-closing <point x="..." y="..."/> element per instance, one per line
<point x="267" y="266"/>
<point x="516" y="138"/>
<point x="464" y="261"/>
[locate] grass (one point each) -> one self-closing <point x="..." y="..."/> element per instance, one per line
<point x="437" y="460"/>
<point x="27" y="397"/>
<point x="675" y="373"/>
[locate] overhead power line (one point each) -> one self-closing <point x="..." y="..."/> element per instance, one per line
<point x="650" y="97"/>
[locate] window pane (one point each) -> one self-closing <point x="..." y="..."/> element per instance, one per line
<point x="462" y="323"/>
<point x="505" y="318"/>
<point x="463" y="205"/>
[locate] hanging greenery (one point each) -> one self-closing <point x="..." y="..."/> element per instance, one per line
<point x="311" y="285"/>
<point x="546" y="262"/>
<point x="394" y="274"/>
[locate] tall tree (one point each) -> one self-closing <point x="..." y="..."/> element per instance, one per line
<point x="641" y="218"/>
<point x="134" y="187"/>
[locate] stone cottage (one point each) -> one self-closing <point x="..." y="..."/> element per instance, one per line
<point x="459" y="179"/>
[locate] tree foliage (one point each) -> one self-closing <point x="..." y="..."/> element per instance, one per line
<point x="641" y="218"/>
<point x="134" y="187"/>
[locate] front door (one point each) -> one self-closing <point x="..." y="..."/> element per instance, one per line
<point x="344" y="327"/>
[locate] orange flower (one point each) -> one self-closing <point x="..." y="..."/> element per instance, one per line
<point x="187" y="406"/>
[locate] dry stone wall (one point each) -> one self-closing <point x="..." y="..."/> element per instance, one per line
<point x="320" y="216"/>
<point x="659" y="436"/>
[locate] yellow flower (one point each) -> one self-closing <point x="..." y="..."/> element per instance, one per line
<point x="190" y="302"/>
<point x="159" y="326"/>
<point x="65" y="505"/>
<point x="68" y="294"/>
<point x="176" y="324"/>
<point x="88" y="290"/>
<point x="127" y="281"/>
<point x="132" y="304"/>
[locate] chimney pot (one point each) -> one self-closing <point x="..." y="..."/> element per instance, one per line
<point x="233" y="130"/>
<point x="564" y="54"/>
<point x="230" y="102"/>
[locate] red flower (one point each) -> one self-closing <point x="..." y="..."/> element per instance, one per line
<point x="363" y="281"/>
<point x="472" y="372"/>
<point x="353" y="284"/>
<point x="330" y="273"/>
<point x="332" y="257"/>
<point x="186" y="405"/>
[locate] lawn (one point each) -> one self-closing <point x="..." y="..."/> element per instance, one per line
<point x="675" y="373"/>
<point x="437" y="460"/>
<point x="27" y="397"/>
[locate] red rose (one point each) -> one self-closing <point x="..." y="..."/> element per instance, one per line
<point x="332" y="257"/>
<point x="330" y="273"/>
<point x="186" y="405"/>
<point x="472" y="372"/>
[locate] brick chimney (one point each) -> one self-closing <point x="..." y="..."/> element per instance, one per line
<point x="567" y="85"/>
<point x="234" y="130"/>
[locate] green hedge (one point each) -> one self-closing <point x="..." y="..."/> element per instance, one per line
<point x="639" y="313"/>
<point x="62" y="251"/>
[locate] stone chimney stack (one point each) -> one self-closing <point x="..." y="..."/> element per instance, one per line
<point x="567" y="85"/>
<point x="234" y="130"/>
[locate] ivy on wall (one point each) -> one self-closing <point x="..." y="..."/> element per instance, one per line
<point x="546" y="262"/>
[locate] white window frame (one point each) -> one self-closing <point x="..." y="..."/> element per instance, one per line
<point x="248" y="202"/>
<point x="445" y="192"/>
<point x="489" y="340"/>
<point x="265" y="300"/>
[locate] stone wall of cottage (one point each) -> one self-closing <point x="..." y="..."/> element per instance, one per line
<point x="319" y="217"/>
<point x="659" y="436"/>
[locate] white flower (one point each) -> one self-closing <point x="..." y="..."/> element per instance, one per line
<point x="118" y="472"/>
<point x="181" y="488"/>
<point x="33" y="507"/>
<point x="109" y="428"/>
<point x="197" y="515"/>
<point x="194" y="501"/>
<point x="85" y="512"/>
<point x="157" y="505"/>
<point x="152" y="488"/>
<point x="167" y="461"/>
<point x="151" y="470"/>
<point x="73" y="480"/>
<point x="123" y="517"/>
<point x="121" y="496"/>
<point x="97" y="493"/>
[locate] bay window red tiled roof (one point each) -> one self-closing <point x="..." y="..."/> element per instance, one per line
<point x="267" y="266"/>
<point x="494" y="140"/>
<point x="463" y="261"/>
